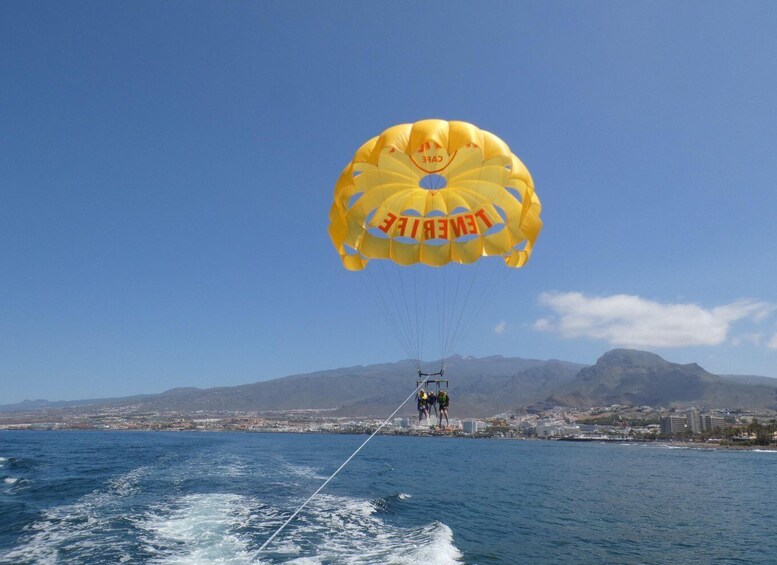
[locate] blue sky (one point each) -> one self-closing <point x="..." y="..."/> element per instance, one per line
<point x="166" y="172"/>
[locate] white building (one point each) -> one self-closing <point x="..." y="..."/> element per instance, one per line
<point x="672" y="424"/>
<point x="402" y="422"/>
<point x="693" y="421"/>
<point x="569" y="431"/>
<point x="548" y="429"/>
<point x="711" y="422"/>
<point x="471" y="426"/>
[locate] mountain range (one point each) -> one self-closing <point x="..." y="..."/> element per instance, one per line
<point x="478" y="387"/>
<point x="639" y="378"/>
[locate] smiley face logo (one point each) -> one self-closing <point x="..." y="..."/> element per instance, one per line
<point x="431" y="157"/>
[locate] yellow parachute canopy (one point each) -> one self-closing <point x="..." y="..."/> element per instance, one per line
<point x="434" y="192"/>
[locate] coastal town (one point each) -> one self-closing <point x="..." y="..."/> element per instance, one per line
<point x="611" y="423"/>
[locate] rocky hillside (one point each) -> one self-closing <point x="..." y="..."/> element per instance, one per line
<point x="624" y="376"/>
<point x="479" y="387"/>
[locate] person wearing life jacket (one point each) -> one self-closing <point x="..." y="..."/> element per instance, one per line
<point x="442" y="402"/>
<point x="423" y="411"/>
<point x="431" y="402"/>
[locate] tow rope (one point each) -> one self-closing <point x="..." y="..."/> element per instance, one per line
<point x="298" y="510"/>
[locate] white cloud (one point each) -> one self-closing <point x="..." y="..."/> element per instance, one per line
<point x="500" y="328"/>
<point x="772" y="342"/>
<point x="631" y="321"/>
<point x="754" y="339"/>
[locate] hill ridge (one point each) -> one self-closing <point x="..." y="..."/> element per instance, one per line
<point x="479" y="387"/>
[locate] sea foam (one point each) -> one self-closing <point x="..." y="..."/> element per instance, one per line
<point x="75" y="528"/>
<point x="206" y="528"/>
<point x="338" y="529"/>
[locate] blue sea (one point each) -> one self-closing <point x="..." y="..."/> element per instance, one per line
<point x="207" y="498"/>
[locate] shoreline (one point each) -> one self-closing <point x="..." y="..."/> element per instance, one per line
<point x="663" y="443"/>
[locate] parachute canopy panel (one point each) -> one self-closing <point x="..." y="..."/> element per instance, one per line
<point x="434" y="192"/>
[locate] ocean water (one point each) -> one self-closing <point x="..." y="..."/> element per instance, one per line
<point x="214" y="498"/>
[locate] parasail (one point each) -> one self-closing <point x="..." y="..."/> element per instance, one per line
<point x="430" y="202"/>
<point x="433" y="195"/>
<point x="434" y="192"/>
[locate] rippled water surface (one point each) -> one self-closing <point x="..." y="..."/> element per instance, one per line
<point x="121" y="497"/>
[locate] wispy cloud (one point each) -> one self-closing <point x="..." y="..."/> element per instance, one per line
<point x="772" y="344"/>
<point x="632" y="321"/>
<point x="500" y="328"/>
<point x="754" y="338"/>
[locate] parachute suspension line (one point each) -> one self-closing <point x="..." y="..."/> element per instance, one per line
<point x="442" y="307"/>
<point x="389" y="314"/>
<point x="402" y="289"/>
<point x="457" y="307"/>
<point x="440" y="303"/>
<point x="453" y="335"/>
<point x="411" y="328"/>
<point x="493" y="282"/>
<point x="398" y="296"/>
<point x="419" y="319"/>
<point x="400" y="306"/>
<point x="340" y="468"/>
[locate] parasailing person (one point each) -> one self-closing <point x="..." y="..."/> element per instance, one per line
<point x="443" y="400"/>
<point x="422" y="401"/>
